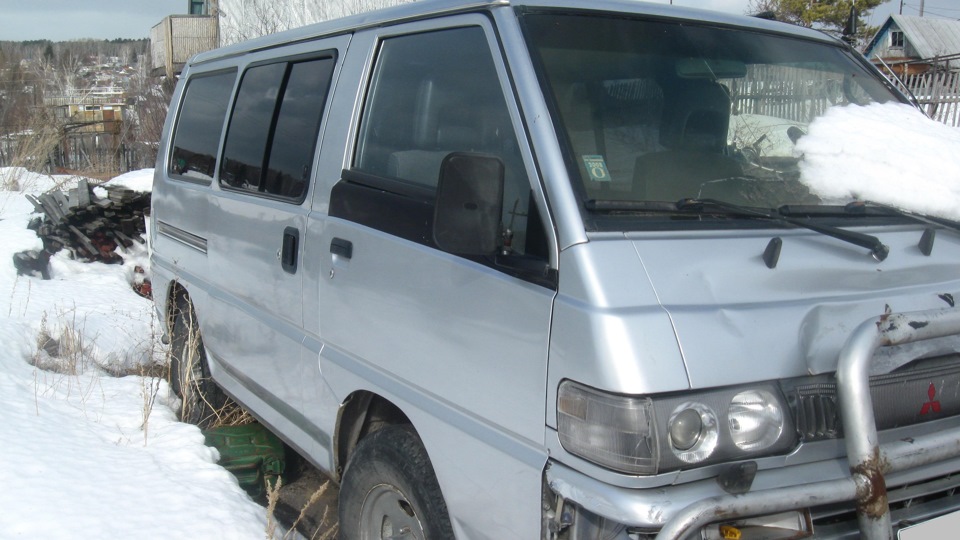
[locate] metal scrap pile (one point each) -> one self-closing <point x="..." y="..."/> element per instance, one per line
<point x="89" y="227"/>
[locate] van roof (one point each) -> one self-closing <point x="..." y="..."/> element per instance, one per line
<point x="424" y="9"/>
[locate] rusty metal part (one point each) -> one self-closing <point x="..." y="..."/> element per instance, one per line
<point x="868" y="462"/>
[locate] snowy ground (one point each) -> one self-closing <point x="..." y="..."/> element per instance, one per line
<point x="87" y="454"/>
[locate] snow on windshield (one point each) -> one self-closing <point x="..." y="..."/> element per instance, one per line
<point x="887" y="153"/>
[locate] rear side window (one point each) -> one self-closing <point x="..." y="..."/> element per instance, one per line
<point x="197" y="135"/>
<point x="274" y="127"/>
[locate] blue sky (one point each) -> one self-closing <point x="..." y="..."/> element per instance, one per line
<point x="60" y="20"/>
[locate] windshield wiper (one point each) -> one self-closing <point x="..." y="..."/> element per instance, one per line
<point x="878" y="250"/>
<point x="860" y="206"/>
<point x="609" y="205"/>
<point x="867" y="209"/>
<point x="929" y="234"/>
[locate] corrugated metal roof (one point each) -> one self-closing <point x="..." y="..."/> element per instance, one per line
<point x="930" y="36"/>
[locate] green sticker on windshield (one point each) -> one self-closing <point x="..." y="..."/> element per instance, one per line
<point x="596" y="168"/>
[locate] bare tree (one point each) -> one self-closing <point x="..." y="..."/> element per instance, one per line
<point x="246" y="19"/>
<point x="143" y="123"/>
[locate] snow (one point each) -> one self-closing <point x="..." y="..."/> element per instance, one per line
<point x="87" y="453"/>
<point x="886" y="153"/>
<point x="141" y="180"/>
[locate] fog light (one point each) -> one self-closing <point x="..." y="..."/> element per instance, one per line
<point x="685" y="429"/>
<point x="693" y="432"/>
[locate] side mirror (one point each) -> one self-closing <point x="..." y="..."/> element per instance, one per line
<point x="466" y="220"/>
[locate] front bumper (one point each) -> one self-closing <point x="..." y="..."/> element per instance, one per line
<point x="931" y="460"/>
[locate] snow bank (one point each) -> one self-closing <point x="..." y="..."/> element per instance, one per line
<point x="85" y="453"/>
<point x="887" y="153"/>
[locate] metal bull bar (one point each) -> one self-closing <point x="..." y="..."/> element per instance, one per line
<point x="868" y="464"/>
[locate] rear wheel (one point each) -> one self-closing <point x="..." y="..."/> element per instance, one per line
<point x="389" y="490"/>
<point x="201" y="400"/>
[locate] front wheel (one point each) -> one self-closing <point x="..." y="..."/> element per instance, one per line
<point x="389" y="490"/>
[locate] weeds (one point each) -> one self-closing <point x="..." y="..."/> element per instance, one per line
<point x="331" y="531"/>
<point x="64" y="353"/>
<point x="273" y="497"/>
<point x="202" y="401"/>
<point x="36" y="141"/>
<point x="69" y="353"/>
<point x="61" y="356"/>
<point x="149" y="388"/>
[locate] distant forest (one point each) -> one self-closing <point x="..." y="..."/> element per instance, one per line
<point x="64" y="52"/>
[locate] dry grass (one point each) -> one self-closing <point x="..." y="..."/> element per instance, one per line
<point x="149" y="388"/>
<point x="37" y="139"/>
<point x="273" y="496"/>
<point x="327" y="527"/>
<point x="62" y="355"/>
<point x="228" y="413"/>
<point x="69" y="353"/>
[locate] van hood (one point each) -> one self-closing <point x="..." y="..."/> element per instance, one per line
<point x="736" y="320"/>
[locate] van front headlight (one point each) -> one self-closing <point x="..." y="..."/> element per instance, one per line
<point x="755" y="419"/>
<point x="645" y="435"/>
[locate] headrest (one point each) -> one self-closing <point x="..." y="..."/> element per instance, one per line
<point x="696" y="116"/>
<point x="705" y="131"/>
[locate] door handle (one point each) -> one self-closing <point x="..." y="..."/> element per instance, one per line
<point x="341" y="248"/>
<point x="290" y="250"/>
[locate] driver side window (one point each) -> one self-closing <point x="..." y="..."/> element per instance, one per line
<point x="433" y="94"/>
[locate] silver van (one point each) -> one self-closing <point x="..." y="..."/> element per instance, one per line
<point x="545" y="269"/>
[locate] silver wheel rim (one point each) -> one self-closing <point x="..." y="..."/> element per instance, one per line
<point x="387" y="514"/>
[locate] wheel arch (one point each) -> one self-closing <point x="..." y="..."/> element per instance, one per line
<point x="362" y="413"/>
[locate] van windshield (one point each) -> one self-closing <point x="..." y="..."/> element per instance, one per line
<point x="661" y="111"/>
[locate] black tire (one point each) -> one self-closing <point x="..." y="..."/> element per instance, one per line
<point x="389" y="484"/>
<point x="201" y="400"/>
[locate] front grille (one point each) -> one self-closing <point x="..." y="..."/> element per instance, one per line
<point x="909" y="504"/>
<point x="919" y="392"/>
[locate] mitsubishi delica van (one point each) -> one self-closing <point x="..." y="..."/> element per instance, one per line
<point x="547" y="269"/>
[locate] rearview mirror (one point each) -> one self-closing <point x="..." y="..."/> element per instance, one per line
<point x="466" y="219"/>
<point x="713" y="69"/>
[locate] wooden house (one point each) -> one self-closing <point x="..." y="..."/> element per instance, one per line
<point x="911" y="45"/>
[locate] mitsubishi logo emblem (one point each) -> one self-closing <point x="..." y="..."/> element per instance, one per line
<point x="933" y="405"/>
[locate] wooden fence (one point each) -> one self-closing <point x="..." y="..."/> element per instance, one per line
<point x="785" y="92"/>
<point x="802" y="95"/>
<point x="938" y="93"/>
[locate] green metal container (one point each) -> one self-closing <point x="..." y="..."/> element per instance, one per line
<point x="251" y="452"/>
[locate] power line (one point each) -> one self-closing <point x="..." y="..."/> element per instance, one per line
<point x="928" y="9"/>
<point x="942" y="8"/>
